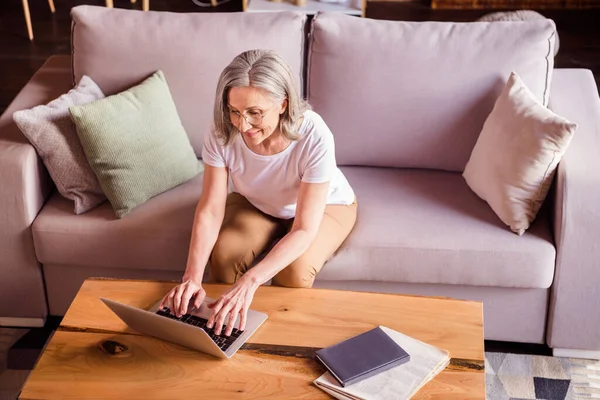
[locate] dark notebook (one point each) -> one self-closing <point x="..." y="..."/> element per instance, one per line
<point x="362" y="356"/>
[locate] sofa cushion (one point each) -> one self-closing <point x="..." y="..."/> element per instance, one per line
<point x="135" y="143"/>
<point x="156" y="235"/>
<point x="514" y="161"/>
<point x="119" y="48"/>
<point x="50" y="130"/>
<point x="420" y="226"/>
<point x="416" y="94"/>
<point x="417" y="227"/>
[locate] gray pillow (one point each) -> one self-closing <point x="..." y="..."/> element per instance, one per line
<point x="136" y="144"/>
<point x="51" y="131"/>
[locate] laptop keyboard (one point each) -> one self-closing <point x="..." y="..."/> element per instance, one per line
<point x="224" y="342"/>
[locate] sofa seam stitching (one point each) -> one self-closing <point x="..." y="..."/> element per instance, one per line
<point x="73" y="51"/>
<point x="303" y="55"/>
<point x="556" y="281"/>
<point x="541" y="185"/>
<point x="311" y="38"/>
<point x="547" y="76"/>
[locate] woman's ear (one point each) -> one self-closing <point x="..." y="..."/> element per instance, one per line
<point x="284" y="105"/>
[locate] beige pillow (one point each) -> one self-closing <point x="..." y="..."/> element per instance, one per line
<point x="516" y="155"/>
<point x="50" y="130"/>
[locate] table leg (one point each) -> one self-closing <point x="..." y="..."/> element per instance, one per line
<point x="28" y="18"/>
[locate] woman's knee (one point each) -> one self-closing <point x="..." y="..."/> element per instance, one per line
<point x="221" y="272"/>
<point x="299" y="274"/>
<point x="228" y="262"/>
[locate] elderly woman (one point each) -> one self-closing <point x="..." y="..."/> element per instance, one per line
<point x="280" y="157"/>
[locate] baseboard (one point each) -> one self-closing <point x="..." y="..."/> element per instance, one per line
<point x="574" y="353"/>
<point x="11" y="322"/>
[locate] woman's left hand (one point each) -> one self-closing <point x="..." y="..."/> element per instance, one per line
<point x="236" y="301"/>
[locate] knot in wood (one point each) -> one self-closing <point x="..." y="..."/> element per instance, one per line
<point x="113" y="348"/>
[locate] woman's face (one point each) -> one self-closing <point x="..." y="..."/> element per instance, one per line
<point x="254" y="113"/>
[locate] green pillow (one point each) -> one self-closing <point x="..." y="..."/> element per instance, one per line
<point x="135" y="143"/>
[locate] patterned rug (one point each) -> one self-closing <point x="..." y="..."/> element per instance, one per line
<point x="508" y="376"/>
<point x="520" y="377"/>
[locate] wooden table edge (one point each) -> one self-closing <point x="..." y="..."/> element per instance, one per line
<point x="313" y="288"/>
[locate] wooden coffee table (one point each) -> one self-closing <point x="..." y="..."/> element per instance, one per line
<point x="277" y="362"/>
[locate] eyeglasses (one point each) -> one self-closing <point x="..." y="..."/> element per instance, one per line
<point x="253" y="117"/>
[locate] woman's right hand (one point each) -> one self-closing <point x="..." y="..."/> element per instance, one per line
<point x="179" y="297"/>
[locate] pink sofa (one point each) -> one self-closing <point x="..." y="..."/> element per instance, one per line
<point x="405" y="102"/>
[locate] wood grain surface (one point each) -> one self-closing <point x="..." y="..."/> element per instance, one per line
<point x="94" y="355"/>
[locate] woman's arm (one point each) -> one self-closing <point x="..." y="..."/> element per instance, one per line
<point x="312" y="199"/>
<point x="207" y="222"/>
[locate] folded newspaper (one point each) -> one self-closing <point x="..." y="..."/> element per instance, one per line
<point x="399" y="383"/>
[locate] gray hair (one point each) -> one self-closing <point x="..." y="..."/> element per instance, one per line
<point x="263" y="69"/>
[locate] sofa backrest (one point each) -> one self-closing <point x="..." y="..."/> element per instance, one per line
<point x="416" y="94"/>
<point x="119" y="48"/>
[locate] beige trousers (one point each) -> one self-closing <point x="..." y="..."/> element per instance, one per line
<point x="247" y="233"/>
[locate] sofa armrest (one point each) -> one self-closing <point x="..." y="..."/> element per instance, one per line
<point x="574" y="316"/>
<point x="25" y="185"/>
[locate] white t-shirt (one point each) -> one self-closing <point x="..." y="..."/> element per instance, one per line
<point x="271" y="183"/>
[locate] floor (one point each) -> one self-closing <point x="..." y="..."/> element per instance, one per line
<point x="11" y="380"/>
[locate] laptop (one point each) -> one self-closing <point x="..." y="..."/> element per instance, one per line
<point x="190" y="330"/>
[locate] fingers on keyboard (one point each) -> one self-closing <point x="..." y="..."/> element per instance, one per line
<point x="224" y="342"/>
